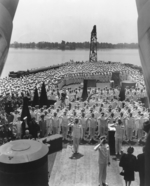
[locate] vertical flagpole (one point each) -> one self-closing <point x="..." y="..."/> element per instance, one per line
<point x="93" y="46"/>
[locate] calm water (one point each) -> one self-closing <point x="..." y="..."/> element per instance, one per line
<point x="23" y="59"/>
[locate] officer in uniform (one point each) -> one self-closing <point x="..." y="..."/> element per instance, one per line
<point x="76" y="133"/>
<point x="83" y="122"/>
<point x="55" y="123"/>
<point x="64" y="123"/>
<point x="104" y="160"/>
<point x="119" y="137"/>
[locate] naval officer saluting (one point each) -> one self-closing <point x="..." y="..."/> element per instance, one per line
<point x="104" y="160"/>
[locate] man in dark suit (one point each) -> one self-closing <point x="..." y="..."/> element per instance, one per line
<point x="34" y="128"/>
<point x="2" y="132"/>
<point x="141" y="167"/>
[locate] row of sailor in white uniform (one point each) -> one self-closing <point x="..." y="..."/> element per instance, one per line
<point x="96" y="116"/>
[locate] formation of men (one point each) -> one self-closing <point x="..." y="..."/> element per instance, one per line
<point x="68" y="73"/>
<point x="94" y="116"/>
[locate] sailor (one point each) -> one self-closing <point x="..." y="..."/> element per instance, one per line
<point x="32" y="113"/>
<point x="130" y="125"/>
<point x="15" y="115"/>
<point x="55" y="123"/>
<point x="83" y="122"/>
<point x="37" y="113"/>
<point x="92" y="127"/>
<point x="64" y="124"/>
<point x="103" y="124"/>
<point x="123" y="120"/>
<point x="140" y="128"/>
<point x="47" y="120"/>
<point x="118" y="136"/>
<point x="18" y="125"/>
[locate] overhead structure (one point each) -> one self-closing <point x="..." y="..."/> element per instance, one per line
<point x="7" y="13"/>
<point x="93" y="46"/>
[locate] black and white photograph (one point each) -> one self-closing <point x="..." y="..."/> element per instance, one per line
<point x="74" y="92"/>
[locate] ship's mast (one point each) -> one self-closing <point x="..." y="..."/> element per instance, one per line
<point x="93" y="46"/>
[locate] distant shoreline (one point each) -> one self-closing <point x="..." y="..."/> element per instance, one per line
<point x="24" y="59"/>
<point x="72" y="45"/>
<point x="77" y="49"/>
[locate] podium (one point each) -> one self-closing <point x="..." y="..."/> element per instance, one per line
<point x="55" y="142"/>
<point x="111" y="139"/>
<point x="112" y="84"/>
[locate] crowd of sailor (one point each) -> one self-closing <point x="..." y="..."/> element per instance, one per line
<point x="71" y="73"/>
<point x="95" y="114"/>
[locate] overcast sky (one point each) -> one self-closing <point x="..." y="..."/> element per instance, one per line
<point x="73" y="20"/>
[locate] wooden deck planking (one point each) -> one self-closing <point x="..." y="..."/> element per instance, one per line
<point x="87" y="166"/>
<point x="83" y="176"/>
<point x="83" y="170"/>
<point x="68" y="169"/>
<point x="80" y="175"/>
<point x="64" y="169"/>
<point x="113" y="173"/>
<point x="94" y="166"/>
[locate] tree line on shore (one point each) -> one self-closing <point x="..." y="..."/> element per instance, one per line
<point x="72" y="45"/>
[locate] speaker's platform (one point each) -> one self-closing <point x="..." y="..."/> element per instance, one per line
<point x="55" y="142"/>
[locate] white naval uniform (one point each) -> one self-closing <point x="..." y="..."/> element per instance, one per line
<point x="130" y="127"/>
<point x="83" y="122"/>
<point x="55" y="124"/>
<point x="64" y="124"/>
<point x="104" y="159"/>
<point x="93" y="124"/>
<point x="18" y="125"/>
<point x="76" y="134"/>
<point x="118" y="138"/>
<point x="48" y="125"/>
